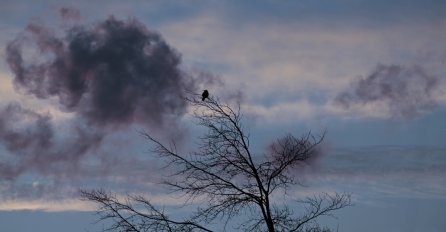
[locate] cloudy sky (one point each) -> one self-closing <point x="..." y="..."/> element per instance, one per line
<point x="80" y="79"/>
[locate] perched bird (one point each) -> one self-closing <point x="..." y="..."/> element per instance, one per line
<point x="205" y="95"/>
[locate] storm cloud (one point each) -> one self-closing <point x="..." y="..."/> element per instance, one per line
<point x="406" y="92"/>
<point x="108" y="76"/>
<point x="113" y="73"/>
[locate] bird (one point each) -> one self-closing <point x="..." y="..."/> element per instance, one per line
<point x="205" y="95"/>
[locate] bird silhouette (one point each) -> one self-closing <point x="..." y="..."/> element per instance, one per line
<point x="205" y="95"/>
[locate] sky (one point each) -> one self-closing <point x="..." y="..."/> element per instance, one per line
<point x="79" y="81"/>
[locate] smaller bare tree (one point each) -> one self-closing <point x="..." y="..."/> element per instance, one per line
<point x="232" y="180"/>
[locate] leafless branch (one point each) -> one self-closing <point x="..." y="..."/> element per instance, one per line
<point x="141" y="217"/>
<point x="224" y="173"/>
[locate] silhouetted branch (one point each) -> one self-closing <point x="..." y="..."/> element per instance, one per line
<point x="229" y="178"/>
<point x="127" y="217"/>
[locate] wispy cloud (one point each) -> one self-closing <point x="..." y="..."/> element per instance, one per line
<point x="403" y="92"/>
<point x="384" y="171"/>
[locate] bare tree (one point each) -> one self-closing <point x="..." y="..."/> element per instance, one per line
<point x="231" y="179"/>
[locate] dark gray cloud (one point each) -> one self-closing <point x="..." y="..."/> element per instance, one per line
<point x="406" y="91"/>
<point x="110" y="75"/>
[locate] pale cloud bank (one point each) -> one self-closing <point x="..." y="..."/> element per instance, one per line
<point x="76" y="204"/>
<point x="47" y="205"/>
<point x="280" y="67"/>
